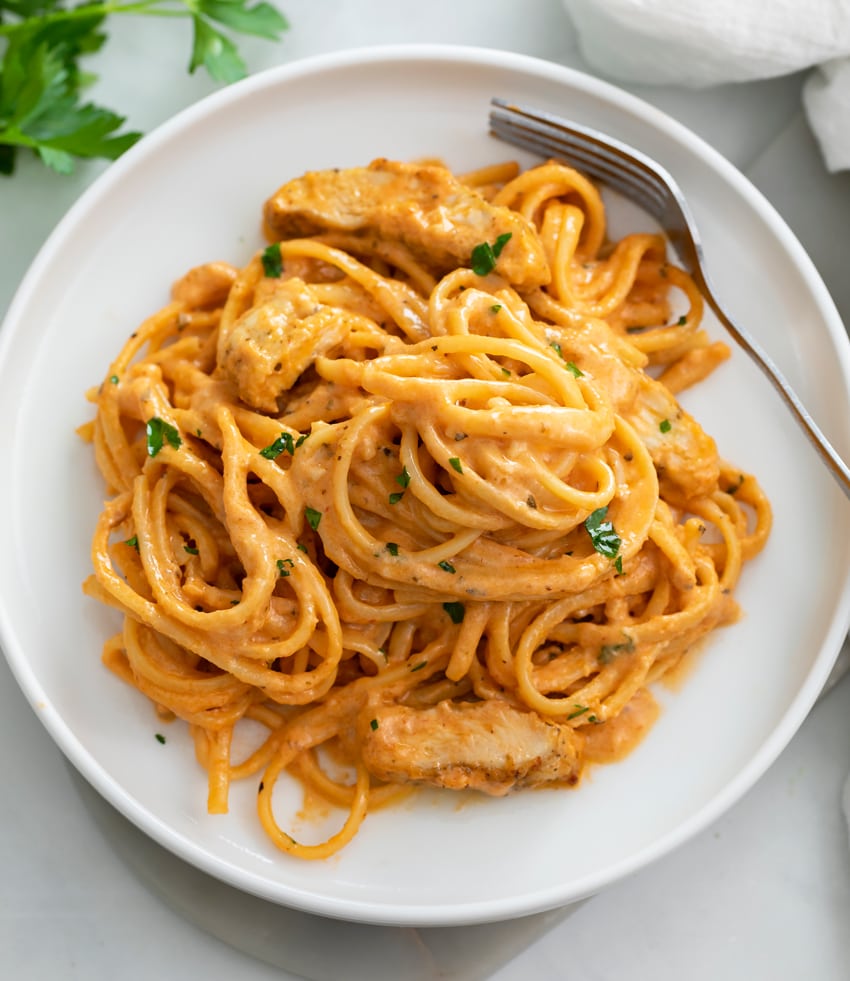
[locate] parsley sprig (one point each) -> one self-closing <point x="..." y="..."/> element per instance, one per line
<point x="42" y="83"/>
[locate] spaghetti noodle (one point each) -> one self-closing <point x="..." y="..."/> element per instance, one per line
<point x="412" y="490"/>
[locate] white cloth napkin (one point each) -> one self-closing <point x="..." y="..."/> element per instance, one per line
<point x="706" y="42"/>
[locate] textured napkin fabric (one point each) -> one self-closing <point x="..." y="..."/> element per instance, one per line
<point x="706" y="42"/>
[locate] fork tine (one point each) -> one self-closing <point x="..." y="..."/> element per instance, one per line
<point x="631" y="182"/>
<point x="648" y="184"/>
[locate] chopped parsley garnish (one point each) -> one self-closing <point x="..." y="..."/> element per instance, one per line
<point x="446" y="566"/>
<point x="681" y="321"/>
<point x="496" y="308"/>
<point x="605" y="540"/>
<point x="160" y="738"/>
<point x="608" y="652"/>
<point x="373" y="724"/>
<point x="158" y="432"/>
<point x="301" y="547"/>
<point x="618" y="565"/>
<point x="284" y="443"/>
<point x="665" y="425"/>
<point x="114" y="379"/>
<point x="456" y="611"/>
<point x="403" y="478"/>
<point x="484" y="255"/>
<point x="313" y="517"/>
<point x="419" y="666"/>
<point x="456" y="464"/>
<point x="272" y="260"/>
<point x="392" y="548"/>
<point x="133" y="542"/>
<point x="190" y="549"/>
<point x="284" y="566"/>
<point x="571" y="366"/>
<point x="396" y="496"/>
<point x="580" y="710"/>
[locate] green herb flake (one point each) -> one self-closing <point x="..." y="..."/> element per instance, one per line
<point x="618" y="565"/>
<point x="392" y="548"/>
<point x="301" y="547"/>
<point x="556" y="347"/>
<point x="160" y="738"/>
<point x="681" y="321"/>
<point x="484" y="255"/>
<point x="396" y="496"/>
<point x="496" y="308"/>
<point x="313" y="517"/>
<point x="113" y="379"/>
<point x="456" y="464"/>
<point x="665" y="425"/>
<point x="446" y="566"/>
<point x="403" y="479"/>
<point x="574" y="369"/>
<point x="190" y="549"/>
<point x="133" y="542"/>
<point x="284" y="567"/>
<point x="272" y="261"/>
<point x="579" y="710"/>
<point x="608" y="652"/>
<point x="373" y="724"/>
<point x="605" y="540"/>
<point x="456" y="611"/>
<point x="284" y="443"/>
<point x="158" y="432"/>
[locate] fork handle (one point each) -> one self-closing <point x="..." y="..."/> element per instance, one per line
<point x="838" y="468"/>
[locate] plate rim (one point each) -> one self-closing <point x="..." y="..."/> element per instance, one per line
<point x="370" y="912"/>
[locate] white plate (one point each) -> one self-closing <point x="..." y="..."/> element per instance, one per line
<point x="191" y="192"/>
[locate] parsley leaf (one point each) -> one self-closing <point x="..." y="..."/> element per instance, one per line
<point x="284" y="443"/>
<point x="456" y="611"/>
<point x="42" y="108"/>
<point x="605" y="540"/>
<point x="272" y="261"/>
<point x="484" y="255"/>
<point x="158" y="432"/>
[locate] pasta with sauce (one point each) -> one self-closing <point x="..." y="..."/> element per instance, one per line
<point x="413" y="491"/>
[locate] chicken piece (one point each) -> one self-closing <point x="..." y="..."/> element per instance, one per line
<point x="205" y="286"/>
<point x="273" y="343"/>
<point x="487" y="746"/>
<point x="423" y="206"/>
<point x="684" y="455"/>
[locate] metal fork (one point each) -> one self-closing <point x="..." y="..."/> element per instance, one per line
<point x="650" y="186"/>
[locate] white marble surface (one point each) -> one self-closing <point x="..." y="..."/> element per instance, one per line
<point x="764" y="893"/>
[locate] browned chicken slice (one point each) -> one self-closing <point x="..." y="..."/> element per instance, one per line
<point x="423" y="206"/>
<point x="271" y="344"/>
<point x="488" y="746"/>
<point x="684" y="455"/>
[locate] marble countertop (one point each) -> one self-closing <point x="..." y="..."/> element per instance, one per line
<point x="765" y="892"/>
